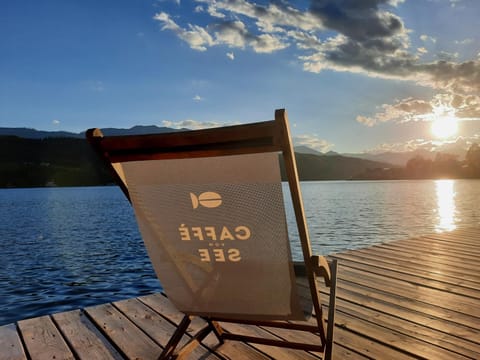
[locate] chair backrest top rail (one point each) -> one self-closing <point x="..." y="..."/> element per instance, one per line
<point x="230" y="140"/>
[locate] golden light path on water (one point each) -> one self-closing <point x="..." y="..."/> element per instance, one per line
<point x="445" y="190"/>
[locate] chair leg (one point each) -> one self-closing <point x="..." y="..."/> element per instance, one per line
<point x="193" y="343"/>
<point x="175" y="339"/>
<point x="169" y="351"/>
<point x="331" y="311"/>
<point x="217" y="330"/>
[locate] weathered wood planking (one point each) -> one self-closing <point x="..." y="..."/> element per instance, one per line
<point x="43" y="339"/>
<point x="10" y="343"/>
<point x="231" y="350"/>
<point x="86" y="341"/>
<point x="425" y="288"/>
<point x="409" y="299"/>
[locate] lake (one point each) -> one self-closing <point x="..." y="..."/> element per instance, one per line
<point x="67" y="248"/>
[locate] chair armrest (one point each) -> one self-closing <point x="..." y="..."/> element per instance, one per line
<point x="322" y="268"/>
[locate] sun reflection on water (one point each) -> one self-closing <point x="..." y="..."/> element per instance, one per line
<point x="445" y="190"/>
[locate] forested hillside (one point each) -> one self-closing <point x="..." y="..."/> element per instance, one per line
<point x="333" y="167"/>
<point x="71" y="162"/>
<point x="49" y="162"/>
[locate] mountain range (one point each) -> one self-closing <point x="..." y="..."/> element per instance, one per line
<point x="30" y="158"/>
<point x="390" y="158"/>
<point x="28" y="133"/>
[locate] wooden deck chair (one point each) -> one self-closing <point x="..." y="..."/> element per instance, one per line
<point x="210" y="208"/>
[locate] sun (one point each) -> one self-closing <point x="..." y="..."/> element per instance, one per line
<point x="444" y="126"/>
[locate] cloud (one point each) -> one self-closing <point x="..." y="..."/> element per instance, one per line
<point x="463" y="107"/>
<point x="267" y="43"/>
<point x="195" y="36"/>
<point x="233" y="34"/>
<point x="422" y="50"/>
<point x="231" y="55"/>
<point x="194" y="124"/>
<point x="364" y="37"/>
<point x="270" y="18"/>
<point x="467" y="107"/>
<point x="426" y="38"/>
<point x="360" y="21"/>
<point x="464" y="41"/>
<point x="406" y="146"/>
<point x="175" y="1"/>
<point x="313" y="142"/>
<point x="197" y="98"/>
<point x="405" y="110"/>
<point x="55" y="122"/>
<point x="457" y="146"/>
<point x="447" y="56"/>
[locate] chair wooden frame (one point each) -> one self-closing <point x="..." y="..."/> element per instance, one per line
<point x="268" y="136"/>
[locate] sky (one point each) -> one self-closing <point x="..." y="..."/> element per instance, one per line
<point x="354" y="75"/>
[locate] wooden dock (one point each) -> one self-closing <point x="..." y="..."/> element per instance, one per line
<point x="410" y="299"/>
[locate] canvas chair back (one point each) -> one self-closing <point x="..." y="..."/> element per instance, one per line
<point x="216" y="232"/>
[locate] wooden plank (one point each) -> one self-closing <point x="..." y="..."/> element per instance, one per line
<point x="275" y="352"/>
<point x="86" y="341"/>
<point x="405" y="344"/>
<point x="375" y="262"/>
<point x="229" y="350"/>
<point x="342" y="352"/>
<point x="11" y="347"/>
<point x="405" y="275"/>
<point x="473" y="231"/>
<point x="407" y="323"/>
<point x="426" y="257"/>
<point x="425" y="246"/>
<point x="435" y="248"/>
<point x="463" y="238"/>
<point x="405" y="266"/>
<point x="132" y="341"/>
<point x="428" y="296"/>
<point x="451" y="240"/>
<point x="465" y="325"/>
<point x="433" y="254"/>
<point x="339" y="350"/>
<point x="156" y="326"/>
<point x="399" y="331"/>
<point x="415" y="263"/>
<point x="43" y="340"/>
<point x="417" y="321"/>
<point x="364" y="346"/>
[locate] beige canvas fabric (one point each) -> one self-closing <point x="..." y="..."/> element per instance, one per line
<point x="216" y="233"/>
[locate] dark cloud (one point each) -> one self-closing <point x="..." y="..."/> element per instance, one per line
<point x="358" y="20"/>
<point x="457" y="77"/>
<point x="415" y="105"/>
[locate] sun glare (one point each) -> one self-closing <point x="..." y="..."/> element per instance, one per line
<point x="444" y="126"/>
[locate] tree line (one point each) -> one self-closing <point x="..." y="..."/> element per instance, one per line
<point x="442" y="166"/>
<point x="72" y="162"/>
<point x="49" y="162"/>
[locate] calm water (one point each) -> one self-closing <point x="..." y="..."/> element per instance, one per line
<point x="65" y="248"/>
